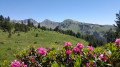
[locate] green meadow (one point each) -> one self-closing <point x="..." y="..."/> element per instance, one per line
<point x="21" y="40"/>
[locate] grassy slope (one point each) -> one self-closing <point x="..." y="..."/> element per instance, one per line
<point x="15" y="44"/>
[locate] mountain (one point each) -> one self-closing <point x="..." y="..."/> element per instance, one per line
<point x="84" y="28"/>
<point x="35" y="23"/>
<point x="49" y="24"/>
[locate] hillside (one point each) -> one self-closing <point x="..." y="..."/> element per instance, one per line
<point x="84" y="28"/>
<point x="18" y="42"/>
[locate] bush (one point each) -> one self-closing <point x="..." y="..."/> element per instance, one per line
<point x="69" y="56"/>
<point x="36" y="35"/>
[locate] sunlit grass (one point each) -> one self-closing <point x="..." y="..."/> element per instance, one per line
<point x="15" y="44"/>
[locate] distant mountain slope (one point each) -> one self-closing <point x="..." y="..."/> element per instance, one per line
<point x="84" y="28"/>
<point x="49" y="23"/>
<point x="25" y="21"/>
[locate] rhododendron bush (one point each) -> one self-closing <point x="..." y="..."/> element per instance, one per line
<point x="69" y="56"/>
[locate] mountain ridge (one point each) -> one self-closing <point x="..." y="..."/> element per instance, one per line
<point x="96" y="30"/>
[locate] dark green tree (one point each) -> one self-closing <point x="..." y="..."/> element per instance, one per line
<point x="57" y="28"/>
<point x="1" y="18"/>
<point x="117" y="26"/>
<point x="8" y="18"/>
<point x="43" y="28"/>
<point x="38" y="25"/>
<point x="110" y="36"/>
<point x="78" y="35"/>
<point x="30" y="24"/>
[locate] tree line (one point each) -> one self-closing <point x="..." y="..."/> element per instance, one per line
<point x="90" y="38"/>
<point x="112" y="35"/>
<point x="7" y="26"/>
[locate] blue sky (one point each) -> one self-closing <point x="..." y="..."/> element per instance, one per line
<point x="89" y="11"/>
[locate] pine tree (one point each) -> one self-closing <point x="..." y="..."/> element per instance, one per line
<point x="117" y="26"/>
<point x="8" y="19"/>
<point x="1" y="18"/>
<point x="38" y="25"/>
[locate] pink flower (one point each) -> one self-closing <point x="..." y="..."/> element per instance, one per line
<point x="80" y="46"/>
<point x="23" y="64"/>
<point x="94" y="55"/>
<point x="87" y="64"/>
<point x="81" y="53"/>
<point x="76" y="49"/>
<point x="49" y="49"/>
<point x="117" y="41"/>
<point x="15" y="64"/>
<point x="68" y="52"/>
<point x="67" y="44"/>
<point x="104" y="53"/>
<point x="90" y="48"/>
<point x="42" y="51"/>
<point x="101" y="57"/>
<point x="90" y="65"/>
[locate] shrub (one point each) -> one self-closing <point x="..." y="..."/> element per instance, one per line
<point x="69" y="56"/>
<point x="36" y="35"/>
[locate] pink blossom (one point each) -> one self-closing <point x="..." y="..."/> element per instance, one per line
<point x="42" y="51"/>
<point x="81" y="53"/>
<point x="80" y="46"/>
<point x="101" y="57"/>
<point x="90" y="48"/>
<point x="104" y="53"/>
<point x="15" y="64"/>
<point x="49" y="49"/>
<point x="87" y="64"/>
<point x="68" y="52"/>
<point x="76" y="49"/>
<point x="94" y="55"/>
<point x="67" y="44"/>
<point x="117" y="41"/>
<point x="23" y="64"/>
<point x="90" y="64"/>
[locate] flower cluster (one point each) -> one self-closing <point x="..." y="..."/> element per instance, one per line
<point x="67" y="45"/>
<point x="42" y="51"/>
<point x="117" y="42"/>
<point x="78" y="48"/>
<point x="69" y="56"/>
<point x="49" y="49"/>
<point x="90" y="65"/>
<point x="17" y="64"/>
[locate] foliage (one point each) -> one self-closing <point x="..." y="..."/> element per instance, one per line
<point x="15" y="44"/>
<point x="112" y="35"/>
<point x="38" y="25"/>
<point x="117" y="26"/>
<point x="69" y="57"/>
<point x="90" y="38"/>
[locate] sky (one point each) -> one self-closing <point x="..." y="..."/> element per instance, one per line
<point x="90" y="11"/>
